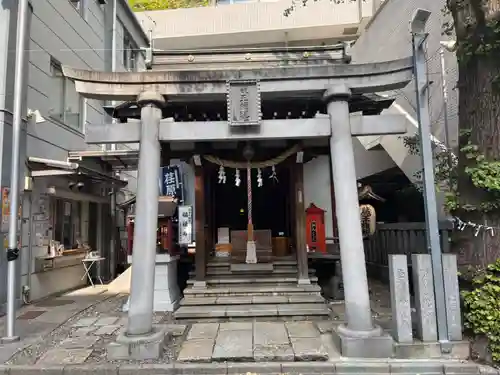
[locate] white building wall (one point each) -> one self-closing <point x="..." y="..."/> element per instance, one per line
<point x="317" y="178"/>
<point x="60" y="33"/>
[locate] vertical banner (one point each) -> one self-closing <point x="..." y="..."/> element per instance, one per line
<point x="185" y="225"/>
<point x="172" y="184"/>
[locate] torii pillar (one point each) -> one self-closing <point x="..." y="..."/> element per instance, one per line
<point x="358" y="337"/>
<point x="142" y="340"/>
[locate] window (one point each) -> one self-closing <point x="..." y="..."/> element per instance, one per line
<point x="78" y="4"/>
<point x="129" y="53"/>
<point x="66" y="103"/>
<point x="66" y="216"/>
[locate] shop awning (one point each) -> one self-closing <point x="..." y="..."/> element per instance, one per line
<point x="39" y="167"/>
<point x="117" y="159"/>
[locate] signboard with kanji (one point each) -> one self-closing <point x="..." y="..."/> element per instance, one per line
<point x="185" y="225"/>
<point x="243" y="103"/>
<point x="172" y="182"/>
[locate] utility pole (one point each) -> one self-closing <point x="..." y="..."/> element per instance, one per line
<point x="419" y="36"/>
<point x="13" y="250"/>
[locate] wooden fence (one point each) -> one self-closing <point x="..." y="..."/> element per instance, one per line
<point x="399" y="238"/>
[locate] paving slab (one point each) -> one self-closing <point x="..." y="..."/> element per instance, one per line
<point x="236" y="326"/>
<point x="196" y="351"/>
<point x="231" y="346"/>
<point x="85" y="342"/>
<point x="283" y="353"/>
<point x="362" y="367"/>
<point x="85" y="322"/>
<point x="268" y="368"/>
<point x="300" y="368"/>
<point x="106" y="321"/>
<point x="427" y="368"/>
<point x="309" y="349"/>
<point x="301" y="329"/>
<point x="83" y="331"/>
<point x="197" y="369"/>
<point x="265" y="334"/>
<point x="107" y="330"/>
<point x="325" y="326"/>
<point x="64" y="356"/>
<point x="203" y="331"/>
<point x="176" y="329"/>
<point x="56" y="317"/>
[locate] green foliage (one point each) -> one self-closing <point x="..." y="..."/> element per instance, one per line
<point x="483" y="173"/>
<point x="482" y="307"/>
<point x="444" y="169"/>
<point x="485" y="42"/>
<point x="143" y="5"/>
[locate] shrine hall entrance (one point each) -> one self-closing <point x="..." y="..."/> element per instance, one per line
<point x="271" y="202"/>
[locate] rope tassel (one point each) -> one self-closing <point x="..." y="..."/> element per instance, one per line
<point x="259" y="178"/>
<point x="237" y="179"/>
<point x="222" y="175"/>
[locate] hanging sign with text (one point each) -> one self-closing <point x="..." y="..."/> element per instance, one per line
<point x="185" y="225"/>
<point x="243" y="103"/>
<point x="172" y="184"/>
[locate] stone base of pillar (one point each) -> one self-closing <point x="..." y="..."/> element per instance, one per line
<point x="251" y="253"/>
<point x="166" y="294"/>
<point x="372" y="344"/>
<point x="139" y="347"/>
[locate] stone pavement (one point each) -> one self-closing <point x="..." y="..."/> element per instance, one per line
<point x="38" y="320"/>
<point x="69" y="335"/>
<point x="256" y="341"/>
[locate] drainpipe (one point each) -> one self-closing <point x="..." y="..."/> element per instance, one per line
<point x="13" y="251"/>
<point x="113" y="51"/>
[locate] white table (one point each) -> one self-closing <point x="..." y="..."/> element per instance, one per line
<point x="87" y="265"/>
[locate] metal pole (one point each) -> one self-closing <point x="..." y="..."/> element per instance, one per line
<point x="445" y="116"/>
<point x="13" y="251"/>
<point x="431" y="222"/>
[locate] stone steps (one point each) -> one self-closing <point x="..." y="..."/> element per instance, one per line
<point x="223" y="274"/>
<point x="277" y="262"/>
<point x="223" y="312"/>
<point x="252" y="300"/>
<point x="256" y="290"/>
<point x="261" y="281"/>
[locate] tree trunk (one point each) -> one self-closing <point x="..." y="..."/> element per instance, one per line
<point x="479" y="113"/>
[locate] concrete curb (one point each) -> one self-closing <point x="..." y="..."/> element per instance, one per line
<point x="264" y="368"/>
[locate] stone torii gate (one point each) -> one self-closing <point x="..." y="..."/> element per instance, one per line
<point x="334" y="83"/>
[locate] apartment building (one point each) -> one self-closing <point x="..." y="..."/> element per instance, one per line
<point x="390" y="25"/>
<point x="65" y="202"/>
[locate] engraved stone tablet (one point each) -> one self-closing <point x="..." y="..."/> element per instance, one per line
<point x="452" y="293"/>
<point x="425" y="302"/>
<point x="243" y="103"/>
<point x="400" y="298"/>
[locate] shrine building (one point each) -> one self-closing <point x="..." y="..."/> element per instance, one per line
<point x="243" y="123"/>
